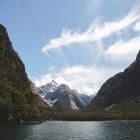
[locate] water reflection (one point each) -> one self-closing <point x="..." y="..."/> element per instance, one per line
<point x="72" y="131"/>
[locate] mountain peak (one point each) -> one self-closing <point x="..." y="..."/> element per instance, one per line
<point x="62" y="97"/>
<point x="53" y="82"/>
<point x="2" y="27"/>
<point x="4" y="36"/>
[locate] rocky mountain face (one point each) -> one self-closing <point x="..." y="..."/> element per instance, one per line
<point x="121" y="92"/>
<point x="17" y="99"/>
<point x="61" y="98"/>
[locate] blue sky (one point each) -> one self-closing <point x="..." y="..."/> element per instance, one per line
<point x="77" y="42"/>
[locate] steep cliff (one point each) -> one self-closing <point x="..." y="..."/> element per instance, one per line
<point x="17" y="98"/>
<point x="121" y="92"/>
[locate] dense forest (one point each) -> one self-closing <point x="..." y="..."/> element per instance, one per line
<point x="18" y="100"/>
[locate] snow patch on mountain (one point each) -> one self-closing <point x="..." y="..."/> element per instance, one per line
<point x="73" y="104"/>
<point x="60" y="97"/>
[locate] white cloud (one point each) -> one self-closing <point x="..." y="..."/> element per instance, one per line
<point x="124" y="50"/>
<point x="94" y="32"/>
<point x="84" y="79"/>
<point x="137" y="26"/>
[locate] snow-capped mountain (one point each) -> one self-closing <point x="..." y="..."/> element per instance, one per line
<point x="49" y="87"/>
<point x="61" y="98"/>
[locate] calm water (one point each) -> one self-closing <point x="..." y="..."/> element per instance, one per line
<point x="54" y="130"/>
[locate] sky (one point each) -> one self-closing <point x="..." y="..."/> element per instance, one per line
<point x="80" y="43"/>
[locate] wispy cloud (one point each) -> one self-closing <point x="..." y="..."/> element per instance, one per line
<point x="84" y="79"/>
<point x="137" y="26"/>
<point x="94" y="32"/>
<point x="124" y="50"/>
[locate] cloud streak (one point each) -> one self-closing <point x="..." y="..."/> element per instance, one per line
<point x="137" y="26"/>
<point x="93" y="33"/>
<point x="124" y="50"/>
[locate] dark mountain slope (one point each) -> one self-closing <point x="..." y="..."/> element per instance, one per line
<point x="17" y="98"/>
<point x="121" y="92"/>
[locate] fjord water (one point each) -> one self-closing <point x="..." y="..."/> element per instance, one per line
<point x="63" y="130"/>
